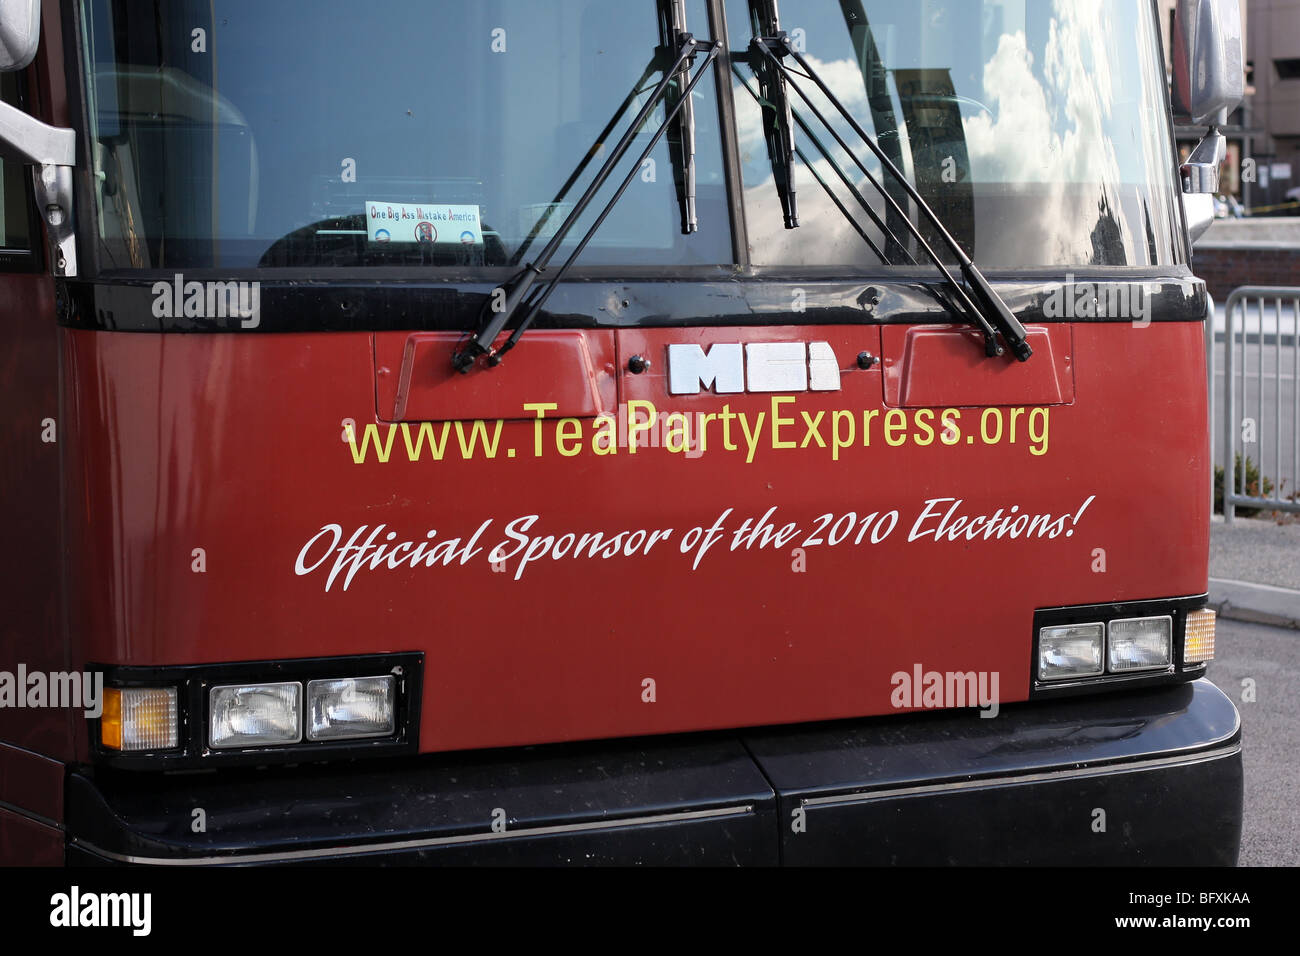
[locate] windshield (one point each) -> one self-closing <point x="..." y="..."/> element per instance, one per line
<point x="240" y="133"/>
<point x="1036" y="129"/>
<point x="246" y="133"/>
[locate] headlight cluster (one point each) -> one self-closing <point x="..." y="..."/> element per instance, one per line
<point x="1090" y="650"/>
<point x="1122" y="642"/>
<point x="204" y="714"/>
<point x="268" y="714"/>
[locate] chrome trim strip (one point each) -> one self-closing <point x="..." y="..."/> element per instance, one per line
<point x="359" y="849"/>
<point x="1102" y="682"/>
<point x="30" y="815"/>
<point x="1016" y="780"/>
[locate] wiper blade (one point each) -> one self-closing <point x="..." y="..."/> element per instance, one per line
<point x="777" y="46"/>
<point x="681" y="133"/>
<point x="518" y="289"/>
<point x="681" y="136"/>
<point x="778" y="127"/>
<point x="891" y="240"/>
<point x="839" y="171"/>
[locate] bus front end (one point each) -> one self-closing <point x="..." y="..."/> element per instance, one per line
<point x="669" y="432"/>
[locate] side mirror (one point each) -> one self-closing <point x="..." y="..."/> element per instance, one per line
<point x="1209" y="65"/>
<point x="20" y="33"/>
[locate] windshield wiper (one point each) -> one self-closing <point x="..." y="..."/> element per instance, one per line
<point x="778" y="127"/>
<point x="812" y="137"/>
<point x="681" y="135"/>
<point x="773" y="49"/>
<point x="681" y="131"/>
<point x="517" y="290"/>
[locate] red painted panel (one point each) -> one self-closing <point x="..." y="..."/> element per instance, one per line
<point x="31" y="782"/>
<point x="233" y="444"/>
<point x="941" y="366"/>
<point x="24" y="842"/>
<point x="32" y="432"/>
<point x="416" y="382"/>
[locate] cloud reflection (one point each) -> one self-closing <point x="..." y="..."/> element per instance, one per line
<point x="1071" y="133"/>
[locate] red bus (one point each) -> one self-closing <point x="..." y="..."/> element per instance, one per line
<point x="665" y="431"/>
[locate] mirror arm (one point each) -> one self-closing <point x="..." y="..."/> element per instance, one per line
<point x="1200" y="173"/>
<point x="33" y="141"/>
<point x="52" y="153"/>
<point x="1199" y="210"/>
<point x="1200" y="180"/>
<point x="53" y="186"/>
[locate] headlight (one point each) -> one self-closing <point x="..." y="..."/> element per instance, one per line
<point x="351" y="707"/>
<point x="1070" y="650"/>
<point x="247" y="715"/>
<point x="1140" y="644"/>
<point x="139" y="718"/>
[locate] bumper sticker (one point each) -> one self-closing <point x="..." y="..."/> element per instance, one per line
<point x="408" y="222"/>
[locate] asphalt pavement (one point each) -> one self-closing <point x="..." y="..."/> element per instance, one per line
<point x="1257" y="666"/>
<point x="1255" y="569"/>
<point x="1255" y="585"/>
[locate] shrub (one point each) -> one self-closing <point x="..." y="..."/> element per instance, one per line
<point x="1256" y="486"/>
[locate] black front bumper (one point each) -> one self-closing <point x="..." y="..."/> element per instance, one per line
<point x="1148" y="777"/>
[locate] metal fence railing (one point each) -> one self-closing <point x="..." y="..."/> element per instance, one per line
<point x="1261" y="421"/>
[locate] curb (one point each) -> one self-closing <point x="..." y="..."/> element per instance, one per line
<point x="1255" y="603"/>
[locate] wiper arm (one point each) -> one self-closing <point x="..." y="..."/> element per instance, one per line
<point x="777" y="46"/>
<point x="517" y="289"/>
<point x="778" y="127"/>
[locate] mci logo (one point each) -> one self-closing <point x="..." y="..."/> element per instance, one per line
<point x="758" y="367"/>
